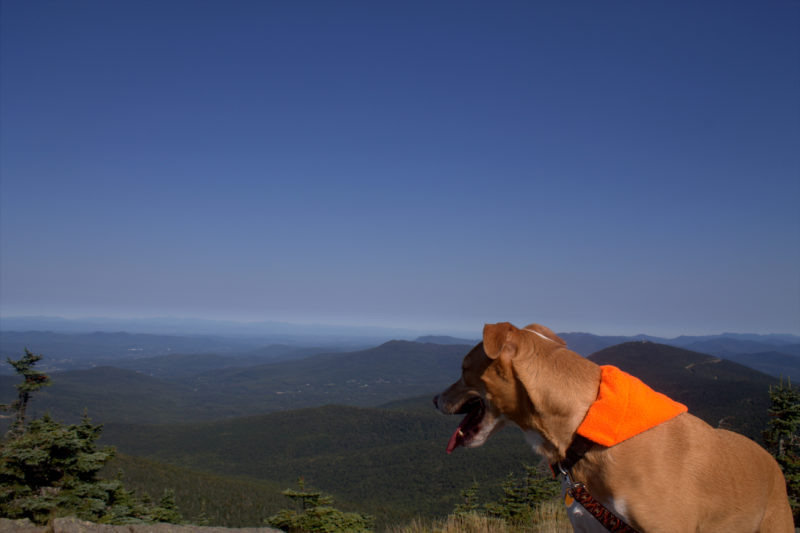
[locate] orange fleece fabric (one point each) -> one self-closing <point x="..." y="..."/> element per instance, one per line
<point x="625" y="407"/>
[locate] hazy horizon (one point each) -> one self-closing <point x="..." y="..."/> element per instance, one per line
<point x="222" y="327"/>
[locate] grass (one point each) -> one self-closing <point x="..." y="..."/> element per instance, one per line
<point x="549" y="517"/>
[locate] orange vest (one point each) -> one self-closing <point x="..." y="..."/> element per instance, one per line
<point x="625" y="407"/>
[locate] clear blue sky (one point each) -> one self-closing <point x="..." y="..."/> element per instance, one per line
<point x="613" y="167"/>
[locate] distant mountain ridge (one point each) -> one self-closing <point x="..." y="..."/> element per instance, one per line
<point x="588" y="343"/>
<point x="776" y="355"/>
<point x="65" y="351"/>
<point x="175" y="356"/>
<point x="144" y="351"/>
<point x="194" y="388"/>
<point x="276" y="331"/>
<point x="392" y="371"/>
<point x="445" y="339"/>
<point x="108" y="345"/>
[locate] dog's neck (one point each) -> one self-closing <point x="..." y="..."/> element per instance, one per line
<point x="554" y="419"/>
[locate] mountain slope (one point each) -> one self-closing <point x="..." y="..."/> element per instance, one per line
<point x="201" y="496"/>
<point x="391" y="371"/>
<point x="184" y="366"/>
<point x="109" y="393"/>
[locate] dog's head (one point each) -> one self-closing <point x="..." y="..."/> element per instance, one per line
<point x="496" y="378"/>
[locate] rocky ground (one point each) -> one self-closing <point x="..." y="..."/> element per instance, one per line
<point x="73" y="525"/>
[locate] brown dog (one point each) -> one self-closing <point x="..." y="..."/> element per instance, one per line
<point x="680" y="475"/>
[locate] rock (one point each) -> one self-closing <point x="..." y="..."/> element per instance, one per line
<point x="20" y="526"/>
<point x="73" y="525"/>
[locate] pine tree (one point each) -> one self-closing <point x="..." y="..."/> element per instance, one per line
<point x="317" y="515"/>
<point x="33" y="380"/>
<point x="522" y="496"/>
<point x="470" y="504"/>
<point x="782" y="439"/>
<point x="538" y="487"/>
<point x="512" y="505"/>
<point x="307" y="498"/>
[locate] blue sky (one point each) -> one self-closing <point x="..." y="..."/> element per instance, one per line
<point x="613" y="167"/>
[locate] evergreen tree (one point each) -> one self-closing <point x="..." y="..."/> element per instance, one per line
<point x="782" y="440"/>
<point x="513" y="504"/>
<point x="470" y="504"/>
<point x="307" y="498"/>
<point x="167" y="509"/>
<point x="32" y="380"/>
<point x="522" y="496"/>
<point x="317" y="515"/>
<point x="48" y="469"/>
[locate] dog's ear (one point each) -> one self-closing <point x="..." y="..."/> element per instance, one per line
<point x="546" y="332"/>
<point x="500" y="339"/>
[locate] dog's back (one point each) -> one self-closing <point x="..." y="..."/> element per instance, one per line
<point x="664" y="473"/>
<point x="755" y="468"/>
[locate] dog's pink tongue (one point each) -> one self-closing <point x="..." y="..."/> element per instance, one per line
<point x="454" y="440"/>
